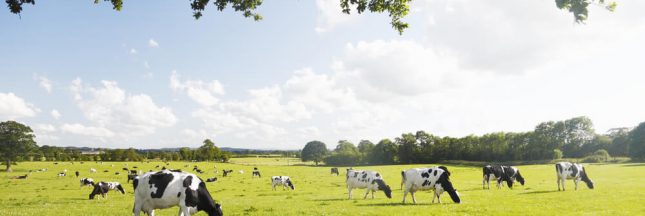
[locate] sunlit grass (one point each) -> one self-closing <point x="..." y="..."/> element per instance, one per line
<point x="619" y="191"/>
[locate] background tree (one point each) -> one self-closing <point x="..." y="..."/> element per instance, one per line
<point x="637" y="142"/>
<point x="619" y="141"/>
<point x="383" y="153"/>
<point x="314" y="151"/>
<point x="396" y="9"/>
<point x="16" y="140"/>
<point x="208" y="151"/>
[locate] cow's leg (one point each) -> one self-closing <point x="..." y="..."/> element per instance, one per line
<point x="575" y="181"/>
<point x="136" y="210"/>
<point x="273" y="186"/>
<point x="558" y="180"/>
<point x="372" y="194"/>
<point x="405" y="194"/>
<point x="438" y="197"/>
<point x="563" y="181"/>
<point x="349" y="192"/>
<point x="366" y="193"/>
<point x="484" y="182"/>
<point x="434" y="195"/>
<point x="414" y="199"/>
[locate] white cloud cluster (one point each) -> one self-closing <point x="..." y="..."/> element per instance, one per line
<point x="14" y="107"/>
<point x="116" y="113"/>
<point x="329" y="15"/>
<point x="203" y="93"/>
<point x="44" y="83"/>
<point x="152" y="43"/>
<point x="55" y="114"/>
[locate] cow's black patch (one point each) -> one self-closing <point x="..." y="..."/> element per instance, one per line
<point x="426" y="183"/>
<point x="445" y="183"/>
<point x="425" y="175"/>
<point x="378" y="175"/>
<point x="160" y="180"/>
<point x="135" y="183"/>
<point x="383" y="187"/>
<point x="175" y="170"/>
<point x="355" y="175"/>
<point x="187" y="181"/>
<point x="179" y="194"/>
<point x="435" y="173"/>
<point x="574" y="170"/>
<point x="364" y="175"/>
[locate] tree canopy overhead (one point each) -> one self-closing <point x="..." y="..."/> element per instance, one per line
<point x="396" y="9"/>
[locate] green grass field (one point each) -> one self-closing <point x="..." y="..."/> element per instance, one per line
<point x="620" y="190"/>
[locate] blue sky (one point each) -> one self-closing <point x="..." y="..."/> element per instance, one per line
<point x="151" y="76"/>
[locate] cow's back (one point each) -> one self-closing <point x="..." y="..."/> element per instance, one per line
<point x="157" y="194"/>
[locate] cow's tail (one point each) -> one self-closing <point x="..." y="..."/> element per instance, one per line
<point x="558" y="168"/>
<point x="402" y="178"/>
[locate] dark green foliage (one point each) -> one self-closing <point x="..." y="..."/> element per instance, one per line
<point x="16" y="141"/>
<point x="397" y="9"/>
<point x="342" y="159"/>
<point x="579" y="7"/>
<point x="314" y="151"/>
<point x="637" y="142"/>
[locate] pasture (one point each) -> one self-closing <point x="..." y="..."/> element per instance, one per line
<point x="619" y="190"/>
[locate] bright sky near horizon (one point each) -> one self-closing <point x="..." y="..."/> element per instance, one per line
<point x="151" y="76"/>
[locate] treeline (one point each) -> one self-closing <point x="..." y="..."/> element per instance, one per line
<point x="207" y="152"/>
<point x="573" y="138"/>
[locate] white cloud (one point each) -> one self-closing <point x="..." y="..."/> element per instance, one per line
<point x="45" y="127"/>
<point x="329" y="15"/>
<point x="110" y="107"/>
<point x="146" y="65"/>
<point x="14" y="107"/>
<point x="204" y="93"/>
<point x="44" y="83"/>
<point x="55" y="114"/>
<point x="80" y="129"/>
<point x="152" y="43"/>
<point x="133" y="51"/>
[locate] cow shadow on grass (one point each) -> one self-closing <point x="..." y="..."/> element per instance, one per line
<point x="404" y="204"/>
<point x="330" y="199"/>
<point x="540" y="192"/>
<point x="635" y="164"/>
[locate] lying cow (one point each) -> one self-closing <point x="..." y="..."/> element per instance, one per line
<point x="226" y="172"/>
<point x="334" y="170"/>
<point x="87" y="182"/>
<point x="501" y="173"/>
<point x="371" y="180"/>
<point x="214" y="179"/>
<point x="77" y="173"/>
<point x="165" y="189"/>
<point x="433" y="178"/>
<point x="92" y="170"/>
<point x="102" y="188"/>
<point x="567" y="170"/>
<point x="282" y="180"/>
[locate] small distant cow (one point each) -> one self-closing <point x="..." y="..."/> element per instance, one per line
<point x="77" y="174"/>
<point x="501" y="174"/>
<point x="567" y="170"/>
<point x="20" y="177"/>
<point x="436" y="178"/>
<point x="282" y="180"/>
<point x="92" y="170"/>
<point x="334" y="170"/>
<point x="87" y="182"/>
<point x="131" y="177"/>
<point x="256" y="173"/>
<point x="371" y="180"/>
<point x="125" y="169"/>
<point x="62" y="174"/>
<point x="226" y="172"/>
<point x="102" y="189"/>
<point x="165" y="189"/>
<point x="214" y="179"/>
<point x="241" y="171"/>
<point x="106" y="170"/>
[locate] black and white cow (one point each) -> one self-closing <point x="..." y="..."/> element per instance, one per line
<point x="433" y="178"/>
<point x="87" y="182"/>
<point x="334" y="170"/>
<point x="285" y="181"/>
<point x="165" y="189"/>
<point x="567" y="170"/>
<point x="226" y="172"/>
<point x="256" y="173"/>
<point x="370" y="180"/>
<point x="102" y="189"/>
<point x="131" y="177"/>
<point x="501" y="173"/>
<point x="214" y="179"/>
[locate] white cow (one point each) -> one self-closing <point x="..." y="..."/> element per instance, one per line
<point x="285" y="181"/>
<point x="371" y="180"/>
<point x="567" y="170"/>
<point x="92" y="170"/>
<point x="165" y="189"/>
<point x="433" y="178"/>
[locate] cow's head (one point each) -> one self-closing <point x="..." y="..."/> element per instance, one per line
<point x="120" y="188"/>
<point x="384" y="187"/>
<point x="520" y="178"/>
<point x="98" y="189"/>
<point x="444" y="180"/>
<point x="290" y="184"/>
<point x="586" y="179"/>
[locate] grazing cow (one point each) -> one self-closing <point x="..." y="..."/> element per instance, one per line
<point x="157" y="167"/>
<point x="226" y="172"/>
<point x="567" y="170"/>
<point x="77" y="174"/>
<point x="102" y="188"/>
<point x="199" y="171"/>
<point x="256" y="173"/>
<point x="501" y="173"/>
<point x="20" y="177"/>
<point x="334" y="170"/>
<point x="436" y="178"/>
<point x="117" y="173"/>
<point x="131" y="177"/>
<point x="165" y="189"/>
<point x="371" y="180"/>
<point x="241" y="171"/>
<point x="125" y="169"/>
<point x="106" y="170"/>
<point x="135" y="167"/>
<point x="282" y="180"/>
<point x="87" y="182"/>
<point x="92" y="170"/>
<point x="62" y="174"/>
<point x="214" y="179"/>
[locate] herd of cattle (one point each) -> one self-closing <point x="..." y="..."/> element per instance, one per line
<point x="168" y="187"/>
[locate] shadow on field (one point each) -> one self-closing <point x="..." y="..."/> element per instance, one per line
<point x="540" y="192"/>
<point x="332" y="199"/>
<point x="403" y="204"/>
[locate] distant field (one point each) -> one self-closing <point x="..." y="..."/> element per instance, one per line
<point x="619" y="190"/>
